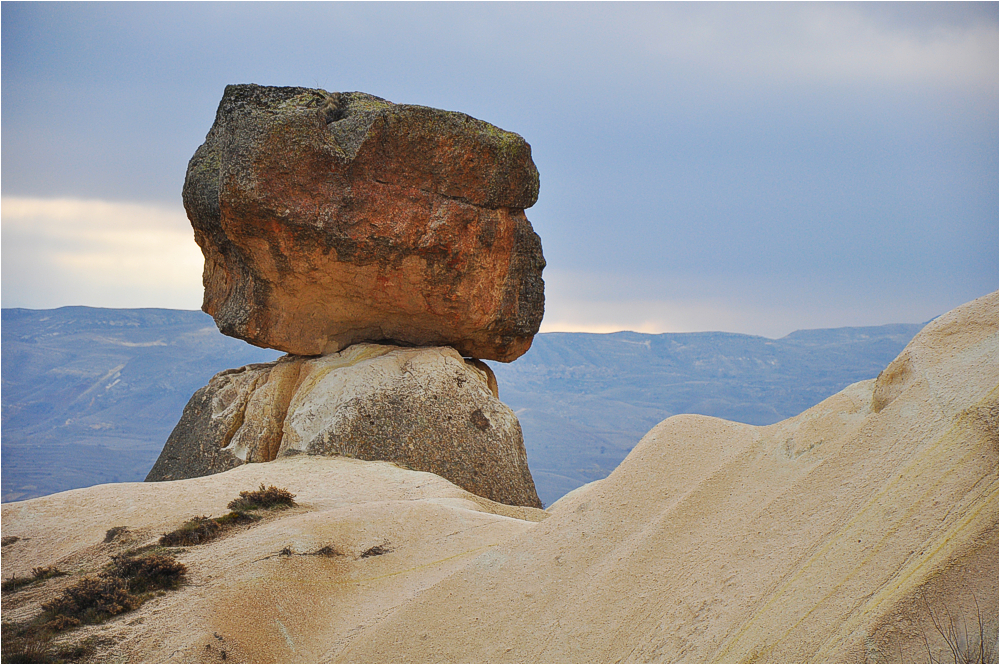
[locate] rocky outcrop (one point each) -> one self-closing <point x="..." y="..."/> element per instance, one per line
<point x="328" y="219"/>
<point x="425" y="409"/>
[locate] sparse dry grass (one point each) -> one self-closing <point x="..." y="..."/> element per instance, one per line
<point x="976" y="646"/>
<point x="15" y="583"/>
<point x="125" y="584"/>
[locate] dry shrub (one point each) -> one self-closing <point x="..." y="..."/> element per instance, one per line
<point x="148" y="573"/>
<point x="91" y="600"/>
<point x="978" y="645"/>
<point x="326" y="550"/>
<point x="119" y="588"/>
<point x="62" y="622"/>
<point x="203" y="529"/>
<point x="193" y="532"/>
<point x="265" y="497"/>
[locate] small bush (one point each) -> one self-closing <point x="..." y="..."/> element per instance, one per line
<point x="203" y="529"/>
<point x="269" y="497"/>
<point x="91" y="600"/>
<point x="45" y="572"/>
<point x="148" y="573"/>
<point x="62" y="622"/>
<point x="326" y="550"/>
<point x="235" y="517"/>
<point x="119" y="588"/>
<point x="192" y="532"/>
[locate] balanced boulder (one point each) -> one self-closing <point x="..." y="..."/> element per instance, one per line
<point x="328" y="219"/>
<point x="425" y="409"/>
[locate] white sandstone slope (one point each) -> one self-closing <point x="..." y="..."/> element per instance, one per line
<point x="831" y="536"/>
<point x="265" y="605"/>
<point x="810" y="539"/>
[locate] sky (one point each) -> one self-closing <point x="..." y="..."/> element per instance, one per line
<point x="751" y="168"/>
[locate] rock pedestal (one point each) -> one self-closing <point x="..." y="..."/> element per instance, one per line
<point x="424" y="409"/>
<point x="328" y="219"/>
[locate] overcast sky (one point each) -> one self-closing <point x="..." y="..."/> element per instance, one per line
<point x="755" y="168"/>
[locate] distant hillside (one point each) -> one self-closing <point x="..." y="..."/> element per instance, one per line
<point x="90" y="395"/>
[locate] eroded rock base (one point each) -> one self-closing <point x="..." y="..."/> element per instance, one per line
<point x="426" y="409"/>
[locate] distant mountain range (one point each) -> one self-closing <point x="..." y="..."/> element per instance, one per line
<point x="90" y="395"/>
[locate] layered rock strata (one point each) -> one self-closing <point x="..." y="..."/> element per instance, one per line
<point x="328" y="219"/>
<point x="425" y="409"/>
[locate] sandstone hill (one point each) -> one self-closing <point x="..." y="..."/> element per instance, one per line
<point x="841" y="534"/>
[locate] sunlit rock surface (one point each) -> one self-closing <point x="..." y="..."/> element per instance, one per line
<point x="328" y="219"/>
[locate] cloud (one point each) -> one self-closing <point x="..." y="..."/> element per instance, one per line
<point x="819" y="43"/>
<point x="604" y="302"/>
<point x="60" y="252"/>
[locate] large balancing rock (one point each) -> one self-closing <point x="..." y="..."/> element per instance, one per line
<point x="426" y="409"/>
<point x="328" y="219"/>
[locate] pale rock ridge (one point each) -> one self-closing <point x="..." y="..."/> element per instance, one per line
<point x="424" y="408"/>
<point x="815" y="539"/>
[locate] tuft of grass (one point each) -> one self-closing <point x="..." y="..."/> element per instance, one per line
<point x="377" y="550"/>
<point x="114" y="533"/>
<point x="15" y="583"/>
<point x="203" y="529"/>
<point x="20" y="644"/>
<point x="326" y="550"/>
<point x="263" y="498"/>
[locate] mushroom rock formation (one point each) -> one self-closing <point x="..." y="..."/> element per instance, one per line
<point x="425" y="409"/>
<point x="328" y="219"/>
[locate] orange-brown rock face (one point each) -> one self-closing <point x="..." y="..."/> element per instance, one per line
<point x="328" y="219"/>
